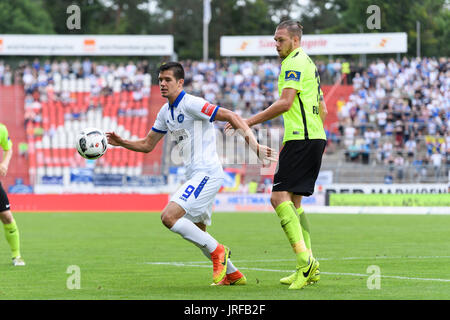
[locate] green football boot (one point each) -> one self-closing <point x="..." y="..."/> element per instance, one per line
<point x="304" y="274"/>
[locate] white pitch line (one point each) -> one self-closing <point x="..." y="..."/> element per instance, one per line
<point x="322" y="259"/>
<point x="181" y="264"/>
<point x="382" y="276"/>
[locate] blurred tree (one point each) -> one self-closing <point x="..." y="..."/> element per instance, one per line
<point x="24" y="16"/>
<point x="282" y="9"/>
<point x="230" y="17"/>
<point x="95" y="17"/>
<point x="398" y="16"/>
<point x="318" y="15"/>
<point x="130" y="16"/>
<point x="233" y="18"/>
<point x="103" y="17"/>
<point x="183" y="20"/>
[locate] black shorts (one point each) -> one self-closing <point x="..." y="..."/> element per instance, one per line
<point x="298" y="166"/>
<point x="4" y="202"/>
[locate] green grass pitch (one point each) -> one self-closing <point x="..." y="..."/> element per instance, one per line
<point x="133" y="256"/>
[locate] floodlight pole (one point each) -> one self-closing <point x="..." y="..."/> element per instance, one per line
<point x="206" y="20"/>
<point x="205" y="42"/>
<point x="418" y="38"/>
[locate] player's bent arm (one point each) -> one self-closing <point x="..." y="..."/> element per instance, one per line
<point x="277" y="108"/>
<point x="7" y="155"/>
<point x="145" y="145"/>
<point x="238" y="124"/>
<point x="323" y="111"/>
<point x="149" y="142"/>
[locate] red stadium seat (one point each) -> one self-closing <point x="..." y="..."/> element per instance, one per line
<point x="45" y="115"/>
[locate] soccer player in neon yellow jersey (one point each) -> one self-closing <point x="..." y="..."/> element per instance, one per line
<point x="9" y="224"/>
<point x="304" y="111"/>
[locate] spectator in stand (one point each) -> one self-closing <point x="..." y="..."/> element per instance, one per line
<point x="399" y="163"/>
<point x="5" y="74"/>
<point x="399" y="133"/>
<point x="411" y="147"/>
<point x="346" y="71"/>
<point x="2" y="71"/>
<point x="436" y="160"/>
<point x="349" y="133"/>
<point x="358" y="82"/>
<point x="386" y="151"/>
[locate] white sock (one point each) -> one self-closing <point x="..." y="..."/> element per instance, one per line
<point x="230" y="266"/>
<point x="189" y="231"/>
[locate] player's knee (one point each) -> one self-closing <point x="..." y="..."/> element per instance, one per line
<point x="275" y="201"/>
<point x="278" y="198"/>
<point x="6" y="217"/>
<point x="167" y="219"/>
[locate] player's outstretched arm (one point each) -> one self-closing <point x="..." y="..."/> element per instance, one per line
<point x="142" y="145"/>
<point x="7" y="155"/>
<point x="277" y="108"/>
<point x="263" y="152"/>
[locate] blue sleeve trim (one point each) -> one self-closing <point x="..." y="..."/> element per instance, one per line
<point x="214" y="114"/>
<point x="159" y="131"/>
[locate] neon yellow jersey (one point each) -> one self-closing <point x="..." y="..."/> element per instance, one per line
<point x="5" y="141"/>
<point x="302" y="121"/>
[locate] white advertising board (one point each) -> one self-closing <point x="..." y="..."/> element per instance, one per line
<point x="86" y="45"/>
<point x="326" y="44"/>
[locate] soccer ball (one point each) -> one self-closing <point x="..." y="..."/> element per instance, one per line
<point x="91" y="143"/>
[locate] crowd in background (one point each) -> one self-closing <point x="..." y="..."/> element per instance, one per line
<point x="249" y="86"/>
<point x="399" y="113"/>
<point x="397" y="110"/>
<point x="59" y="79"/>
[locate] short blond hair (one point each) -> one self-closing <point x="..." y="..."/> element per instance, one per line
<point x="293" y="27"/>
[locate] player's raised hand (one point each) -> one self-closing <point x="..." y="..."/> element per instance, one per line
<point x="228" y="129"/>
<point x="266" y="153"/>
<point x="113" y="139"/>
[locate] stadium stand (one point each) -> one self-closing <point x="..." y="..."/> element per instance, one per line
<point x="62" y="98"/>
<point x="12" y="115"/>
<point x="398" y="108"/>
<point x="392" y="115"/>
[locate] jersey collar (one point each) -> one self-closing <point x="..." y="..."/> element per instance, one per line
<point x="294" y="52"/>
<point x="177" y="100"/>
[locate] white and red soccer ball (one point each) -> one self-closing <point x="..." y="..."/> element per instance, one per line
<point x="91" y="143"/>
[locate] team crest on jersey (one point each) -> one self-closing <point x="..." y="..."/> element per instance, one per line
<point x="292" y="75"/>
<point x="208" y="109"/>
<point x="180" y="118"/>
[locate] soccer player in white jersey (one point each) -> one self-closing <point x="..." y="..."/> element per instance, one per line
<point x="189" y="120"/>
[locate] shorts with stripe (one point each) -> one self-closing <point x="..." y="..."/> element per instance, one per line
<point x="197" y="196"/>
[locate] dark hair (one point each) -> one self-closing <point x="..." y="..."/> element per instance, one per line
<point x="293" y="27"/>
<point x="177" y="69"/>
